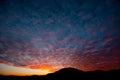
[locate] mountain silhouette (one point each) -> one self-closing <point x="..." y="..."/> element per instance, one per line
<point x="75" y="74"/>
<point x="71" y="74"/>
<point x="65" y="74"/>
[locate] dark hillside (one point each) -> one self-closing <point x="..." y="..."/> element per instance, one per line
<point x="71" y="74"/>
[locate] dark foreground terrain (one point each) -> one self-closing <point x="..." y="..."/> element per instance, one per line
<point x="71" y="74"/>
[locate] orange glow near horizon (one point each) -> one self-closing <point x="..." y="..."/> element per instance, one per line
<point x="43" y="66"/>
<point x="20" y="71"/>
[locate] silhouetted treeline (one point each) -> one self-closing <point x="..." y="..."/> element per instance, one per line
<point x="71" y="74"/>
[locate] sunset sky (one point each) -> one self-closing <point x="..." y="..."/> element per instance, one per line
<point x="38" y="37"/>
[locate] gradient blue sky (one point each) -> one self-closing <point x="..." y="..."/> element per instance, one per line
<point x="54" y="34"/>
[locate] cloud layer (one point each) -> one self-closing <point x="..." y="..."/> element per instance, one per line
<point x="60" y="33"/>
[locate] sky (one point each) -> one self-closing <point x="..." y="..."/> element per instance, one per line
<point x="43" y="36"/>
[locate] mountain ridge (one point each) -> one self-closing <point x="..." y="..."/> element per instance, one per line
<point x="70" y="74"/>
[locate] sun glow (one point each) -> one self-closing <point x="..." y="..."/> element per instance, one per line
<point x="19" y="71"/>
